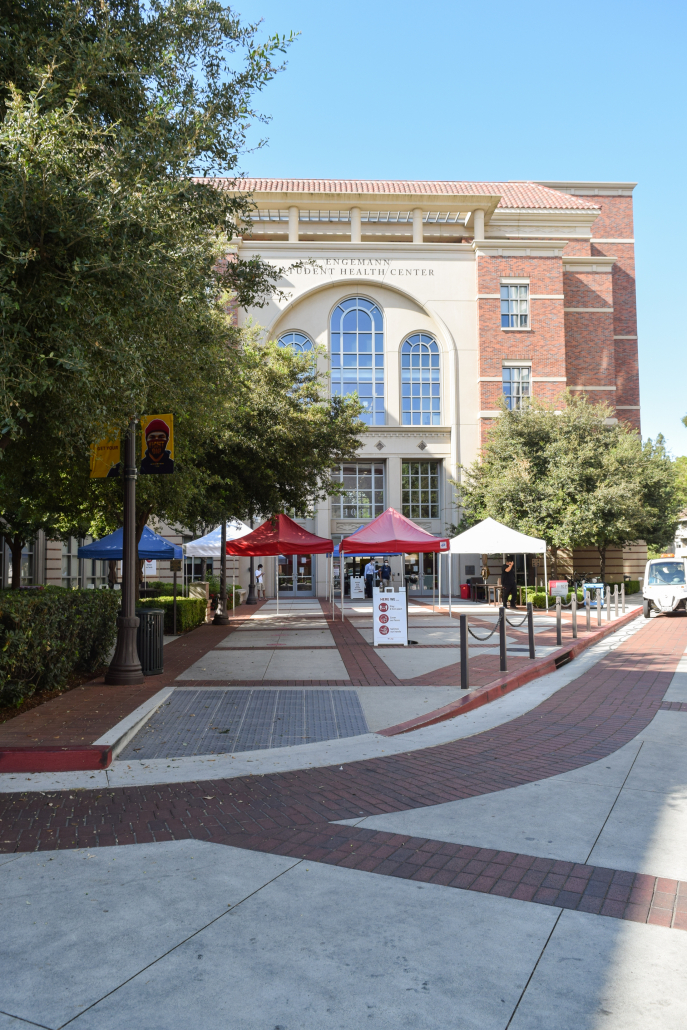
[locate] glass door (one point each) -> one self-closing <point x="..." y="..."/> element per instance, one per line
<point x="296" y="575"/>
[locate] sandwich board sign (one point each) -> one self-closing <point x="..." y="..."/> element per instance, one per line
<point x="558" y="587"/>
<point x="390" y="616"/>
<point x="357" y="586"/>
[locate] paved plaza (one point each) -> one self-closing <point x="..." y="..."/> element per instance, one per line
<point x="261" y="855"/>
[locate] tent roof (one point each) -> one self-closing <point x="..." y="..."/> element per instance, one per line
<point x="492" y="537"/>
<point x="280" y="535"/>
<point x="111" y="548"/>
<point x="210" y="545"/>
<point x="392" y="532"/>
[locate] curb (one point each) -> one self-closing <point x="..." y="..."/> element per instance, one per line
<point x="53" y="758"/>
<point x="81" y="757"/>
<point x="510" y="681"/>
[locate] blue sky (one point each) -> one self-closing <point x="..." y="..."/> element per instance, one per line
<point x="439" y="90"/>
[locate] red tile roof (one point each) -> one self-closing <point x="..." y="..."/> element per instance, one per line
<point x="512" y="194"/>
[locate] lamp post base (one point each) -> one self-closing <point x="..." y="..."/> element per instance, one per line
<point x="251" y="598"/>
<point x="125" y="667"/>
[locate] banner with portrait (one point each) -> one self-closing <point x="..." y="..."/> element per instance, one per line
<point x="157" y="445"/>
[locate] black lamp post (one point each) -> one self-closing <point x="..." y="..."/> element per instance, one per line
<point x="125" y="667"/>
<point x="221" y="618"/>
<point x="251" y="599"/>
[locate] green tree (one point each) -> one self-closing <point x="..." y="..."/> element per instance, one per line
<point x="576" y="478"/>
<point x="110" y="248"/>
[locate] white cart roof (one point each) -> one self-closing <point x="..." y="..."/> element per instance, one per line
<point x="210" y="546"/>
<point x="492" y="537"/>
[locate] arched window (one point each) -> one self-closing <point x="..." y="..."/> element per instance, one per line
<point x="420" y="397"/>
<point x="297" y="341"/>
<point x="357" y="335"/>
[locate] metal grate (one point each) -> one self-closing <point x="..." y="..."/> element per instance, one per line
<point x="212" y="722"/>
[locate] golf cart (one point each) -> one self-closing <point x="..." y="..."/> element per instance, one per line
<point x="665" y="585"/>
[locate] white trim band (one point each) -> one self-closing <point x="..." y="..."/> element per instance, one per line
<point x="593" y="388"/>
<point x="488" y="414"/>
<point x="549" y="379"/>
<point x="627" y="407"/>
<point x="624" y="337"/>
<point x="598" y="311"/>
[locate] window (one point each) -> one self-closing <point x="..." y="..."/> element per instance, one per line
<point x="357" y="347"/>
<point x="420" y="489"/>
<point x="420" y="398"/>
<point x="296" y="341"/>
<point x="515" y="303"/>
<point x="70" y="563"/>
<point x="364" y="497"/>
<point x="28" y="559"/>
<point x="516" y="387"/>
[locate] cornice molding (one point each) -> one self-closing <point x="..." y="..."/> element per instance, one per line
<point x="518" y="248"/>
<point x="588" y="263"/>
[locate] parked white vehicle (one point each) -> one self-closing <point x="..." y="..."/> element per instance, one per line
<point x="665" y="585"/>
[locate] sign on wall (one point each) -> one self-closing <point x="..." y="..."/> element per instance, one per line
<point x="390" y="617"/>
<point x="157" y="444"/>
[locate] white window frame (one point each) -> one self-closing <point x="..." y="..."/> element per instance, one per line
<point x="506" y="281"/>
<point x="521" y="366"/>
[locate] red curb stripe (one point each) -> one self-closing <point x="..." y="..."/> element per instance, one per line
<point x="47" y="758"/>
<point x="509" y="682"/>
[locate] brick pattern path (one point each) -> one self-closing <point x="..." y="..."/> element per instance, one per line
<point x="290" y="813"/>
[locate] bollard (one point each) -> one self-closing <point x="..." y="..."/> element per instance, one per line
<point x="559" y="639"/>
<point x="573" y="609"/>
<point x="503" y="664"/>
<point x="588" y="606"/>
<point x="464" y="656"/>
<point x="615" y="599"/>
<point x="608" y="604"/>
<point x="622" y="595"/>
<point x="530" y="629"/>
<point x="599" y="602"/>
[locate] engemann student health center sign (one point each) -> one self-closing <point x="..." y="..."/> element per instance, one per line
<point x="390" y="617"/>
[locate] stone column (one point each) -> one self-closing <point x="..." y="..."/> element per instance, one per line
<point x="293" y="225"/>
<point x="356" y="226"/>
<point x="418" y="236"/>
<point x="478" y="224"/>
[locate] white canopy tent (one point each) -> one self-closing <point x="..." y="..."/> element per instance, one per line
<point x="210" y="546"/>
<point x="492" y="537"/>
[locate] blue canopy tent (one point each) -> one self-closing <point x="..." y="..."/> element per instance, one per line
<point x="150" y="547"/>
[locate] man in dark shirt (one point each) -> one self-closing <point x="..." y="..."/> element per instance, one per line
<point x="508" y="584"/>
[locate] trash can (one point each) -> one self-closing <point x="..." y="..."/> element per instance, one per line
<point x="149" y="642"/>
<point x="465" y="591"/>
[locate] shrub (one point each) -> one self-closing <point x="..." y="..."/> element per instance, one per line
<point x="190" y="611"/>
<point x="47" y="635"/>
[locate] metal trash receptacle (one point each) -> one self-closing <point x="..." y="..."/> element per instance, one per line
<point x="149" y="639"/>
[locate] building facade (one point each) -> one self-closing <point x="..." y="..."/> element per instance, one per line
<point x="433" y="300"/>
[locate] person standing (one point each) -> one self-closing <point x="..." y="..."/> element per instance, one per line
<point x="508" y="584"/>
<point x="370" y="572"/>
<point x="386" y="573"/>
<point x="260" y="582"/>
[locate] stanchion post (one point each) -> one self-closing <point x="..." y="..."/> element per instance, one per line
<point x="588" y="606"/>
<point x="530" y="628"/>
<point x="503" y="662"/>
<point x="559" y="639"/>
<point x="599" y="602"/>
<point x="615" y="599"/>
<point x="622" y="596"/>
<point x="608" y="604"/>
<point x="464" y="655"/>
<point x="174" y="606"/>
<point x="573" y="609"/>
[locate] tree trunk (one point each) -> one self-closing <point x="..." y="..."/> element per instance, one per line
<point x="602" y="562"/>
<point x="142" y="516"/>
<point x="203" y="568"/>
<point x="16" y="547"/>
<point x="554" y="561"/>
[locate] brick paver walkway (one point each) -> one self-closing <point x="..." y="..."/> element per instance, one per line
<point x="291" y="813"/>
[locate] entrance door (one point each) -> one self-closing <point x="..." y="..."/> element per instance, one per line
<point x="296" y="575"/>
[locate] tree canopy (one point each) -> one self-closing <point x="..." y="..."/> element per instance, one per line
<point x="575" y="477"/>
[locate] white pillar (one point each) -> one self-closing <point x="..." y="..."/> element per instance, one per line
<point x="478" y="224"/>
<point x="356" y="226"/>
<point x="293" y="225"/>
<point x="417" y="225"/>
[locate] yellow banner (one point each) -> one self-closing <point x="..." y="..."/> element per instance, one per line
<point x="105" y="456"/>
<point x="157" y="444"/>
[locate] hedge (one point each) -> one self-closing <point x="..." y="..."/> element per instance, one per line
<point x="190" y="611"/>
<point x="47" y="635"/>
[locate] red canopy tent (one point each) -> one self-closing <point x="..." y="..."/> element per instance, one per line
<point x="390" y="533"/>
<point x="279" y="535"/>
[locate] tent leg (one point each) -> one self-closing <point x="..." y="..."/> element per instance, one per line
<point x="450" y="591"/>
<point x="524" y="558"/>
<point x="341" y="580"/>
<point x="434" y="578"/>
<point x="276" y="579"/>
<point x="440" y="564"/>
<point x="546" y="585"/>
